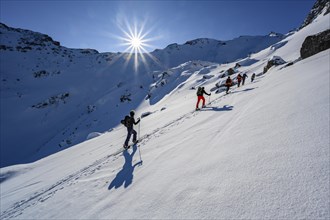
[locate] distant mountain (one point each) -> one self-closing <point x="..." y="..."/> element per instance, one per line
<point x="214" y="50"/>
<point x="320" y="7"/>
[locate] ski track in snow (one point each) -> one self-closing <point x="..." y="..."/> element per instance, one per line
<point x="45" y="194"/>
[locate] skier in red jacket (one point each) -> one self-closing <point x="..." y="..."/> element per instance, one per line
<point x="200" y="93"/>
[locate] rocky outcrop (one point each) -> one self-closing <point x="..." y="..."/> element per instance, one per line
<point x="320" y="6"/>
<point x="274" y="61"/>
<point x="54" y="100"/>
<point x="29" y="40"/>
<point x="230" y="71"/>
<point x="315" y="44"/>
<point x="237" y="65"/>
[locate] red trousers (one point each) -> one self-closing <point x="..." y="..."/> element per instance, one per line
<point x="200" y="97"/>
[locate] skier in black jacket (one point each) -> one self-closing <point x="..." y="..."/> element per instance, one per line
<point x="244" y="77"/>
<point x="129" y="122"/>
<point x="228" y="84"/>
<point x="253" y="76"/>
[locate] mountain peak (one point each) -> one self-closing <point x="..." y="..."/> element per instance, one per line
<point x="321" y="7"/>
<point x="274" y="34"/>
<point x="199" y="41"/>
<point x="26" y="38"/>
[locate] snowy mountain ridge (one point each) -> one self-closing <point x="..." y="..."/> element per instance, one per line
<point x="321" y="7"/>
<point x="62" y="95"/>
<point x="214" y="50"/>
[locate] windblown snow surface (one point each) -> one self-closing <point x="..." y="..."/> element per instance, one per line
<point x="261" y="152"/>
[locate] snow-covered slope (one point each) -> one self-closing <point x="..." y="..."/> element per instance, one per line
<point x="261" y="152"/>
<point x="61" y="95"/>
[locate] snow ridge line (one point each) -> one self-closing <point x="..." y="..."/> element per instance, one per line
<point x="43" y="195"/>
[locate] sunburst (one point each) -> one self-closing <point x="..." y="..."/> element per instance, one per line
<point x="136" y="41"/>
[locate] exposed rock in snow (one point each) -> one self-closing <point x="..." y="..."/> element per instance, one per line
<point x="315" y="44"/>
<point x="274" y="61"/>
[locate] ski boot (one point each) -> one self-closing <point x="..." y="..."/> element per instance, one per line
<point x="125" y="146"/>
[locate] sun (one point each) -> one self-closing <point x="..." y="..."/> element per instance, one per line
<point x="135" y="38"/>
<point x="136" y="43"/>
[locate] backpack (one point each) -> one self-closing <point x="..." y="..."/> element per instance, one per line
<point x="199" y="91"/>
<point x="125" y="121"/>
<point x="228" y="82"/>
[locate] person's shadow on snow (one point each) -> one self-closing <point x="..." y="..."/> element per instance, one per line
<point x="224" y="108"/>
<point x="244" y="90"/>
<point x="125" y="175"/>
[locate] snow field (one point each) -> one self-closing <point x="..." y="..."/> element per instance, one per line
<point x="265" y="158"/>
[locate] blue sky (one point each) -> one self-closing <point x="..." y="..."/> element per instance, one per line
<point x="100" y="24"/>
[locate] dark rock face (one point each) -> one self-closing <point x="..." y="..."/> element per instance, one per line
<point x="318" y="8"/>
<point x="237" y="65"/>
<point x="315" y="44"/>
<point x="230" y="71"/>
<point x="29" y="40"/>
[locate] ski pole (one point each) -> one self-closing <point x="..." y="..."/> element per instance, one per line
<point x="140" y="155"/>
<point x="140" y="140"/>
<point x="139" y="129"/>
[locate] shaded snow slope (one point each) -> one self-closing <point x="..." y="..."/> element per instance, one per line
<point x="260" y="152"/>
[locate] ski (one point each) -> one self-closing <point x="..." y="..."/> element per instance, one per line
<point x="198" y="109"/>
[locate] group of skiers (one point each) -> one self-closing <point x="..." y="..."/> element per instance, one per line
<point x="228" y="84"/>
<point x="240" y="78"/>
<point x="129" y="121"/>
